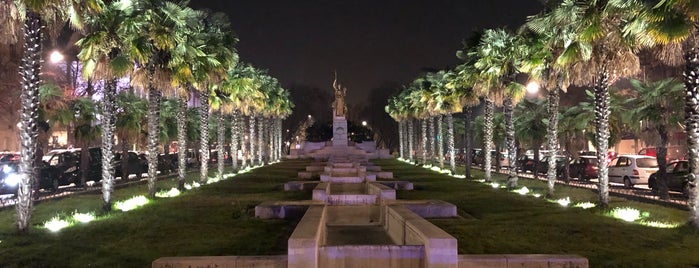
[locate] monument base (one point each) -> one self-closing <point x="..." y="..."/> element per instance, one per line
<point x="339" y="131"/>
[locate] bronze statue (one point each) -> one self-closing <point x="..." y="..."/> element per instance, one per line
<point x="339" y="106"/>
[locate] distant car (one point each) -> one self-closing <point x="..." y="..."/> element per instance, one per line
<point x="9" y="177"/>
<point x="543" y="167"/>
<point x="62" y="167"/>
<point x="526" y="163"/>
<point x="674" y="152"/>
<point x="677" y="178"/>
<point x="134" y="165"/>
<point x="8" y="157"/>
<point x="584" y="167"/>
<point x="632" y="169"/>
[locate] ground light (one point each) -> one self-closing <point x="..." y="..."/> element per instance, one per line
<point x="132" y="203"/>
<point x="522" y="191"/>
<point x="626" y="214"/>
<point x="84" y="217"/>
<point x="170" y="193"/>
<point x="584" y="205"/>
<point x="55" y="224"/>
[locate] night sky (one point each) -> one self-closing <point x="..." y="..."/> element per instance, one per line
<point x="369" y="42"/>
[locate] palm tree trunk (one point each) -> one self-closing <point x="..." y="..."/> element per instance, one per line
<point x="181" y="142"/>
<point x="510" y="140"/>
<point x="423" y="125"/>
<point x="430" y="139"/>
<point x="252" y="140"/>
<point x="411" y="139"/>
<point x="440" y="143"/>
<point x="260" y="139"/>
<point x="552" y="138"/>
<point x="30" y="71"/>
<point x="243" y="145"/>
<point x="108" y="127"/>
<point x="204" y="135"/>
<point x="401" y="145"/>
<point x="467" y="140"/>
<point x="602" y="131"/>
<point x="234" y="141"/>
<point x="691" y="84"/>
<point x="219" y="145"/>
<point x="450" y="143"/>
<point x="153" y="134"/>
<point x="488" y="137"/>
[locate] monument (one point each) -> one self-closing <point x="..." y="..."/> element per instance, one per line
<point x="339" y="111"/>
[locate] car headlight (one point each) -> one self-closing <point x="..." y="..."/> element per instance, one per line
<point x="7" y="169"/>
<point x="12" y="179"/>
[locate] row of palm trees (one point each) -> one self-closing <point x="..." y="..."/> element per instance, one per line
<point x="168" y="49"/>
<point x="588" y="43"/>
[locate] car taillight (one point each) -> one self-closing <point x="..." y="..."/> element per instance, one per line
<point x="635" y="172"/>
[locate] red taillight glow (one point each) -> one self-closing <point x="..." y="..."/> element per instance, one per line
<point x="635" y="172"/>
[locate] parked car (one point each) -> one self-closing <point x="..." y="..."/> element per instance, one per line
<point x="677" y="177"/>
<point x="632" y="169"/>
<point x="134" y="165"/>
<point x="62" y="167"/>
<point x="584" y="167"/>
<point x="674" y="152"/>
<point x="543" y="166"/>
<point x="7" y="157"/>
<point x="9" y="177"/>
<point x="526" y="163"/>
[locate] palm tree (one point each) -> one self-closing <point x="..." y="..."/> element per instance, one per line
<point x="531" y="127"/>
<point x="671" y="26"/>
<point x="656" y="105"/>
<point x="573" y="121"/>
<point x="36" y="15"/>
<point x="496" y="124"/>
<point x="499" y="58"/>
<point x="130" y="114"/>
<point x="103" y="56"/>
<point x="85" y="131"/>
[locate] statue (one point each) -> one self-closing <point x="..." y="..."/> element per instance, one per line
<point x="339" y="107"/>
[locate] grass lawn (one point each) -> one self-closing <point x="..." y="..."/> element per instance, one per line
<point x="218" y="219"/>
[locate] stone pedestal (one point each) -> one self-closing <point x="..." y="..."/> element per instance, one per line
<point x="339" y="131"/>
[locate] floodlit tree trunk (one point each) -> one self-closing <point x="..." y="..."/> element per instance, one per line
<point x="153" y="134"/>
<point x="234" y="141"/>
<point x="467" y="140"/>
<point x="181" y="142"/>
<point x="552" y="139"/>
<point x="450" y="143"/>
<point x="219" y="145"/>
<point x="423" y="125"/>
<point x="204" y="135"/>
<point x="252" y="140"/>
<point x="510" y="140"/>
<point x="411" y="141"/>
<point x="243" y="143"/>
<point x="260" y="140"/>
<point x="30" y="71"/>
<point x="691" y="84"/>
<point x="430" y="139"/>
<point x="440" y="143"/>
<point x="108" y="127"/>
<point x="661" y="155"/>
<point x="602" y="134"/>
<point x="401" y="140"/>
<point x="488" y="137"/>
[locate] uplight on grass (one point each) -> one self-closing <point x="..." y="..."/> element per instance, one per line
<point x="84" y="217"/>
<point x="130" y="204"/>
<point x="522" y="191"/>
<point x="563" y="201"/>
<point x="171" y="193"/>
<point x="459" y="176"/>
<point x="658" y="224"/>
<point x="537" y="195"/>
<point x="495" y="185"/>
<point x="584" y="205"/>
<point x="481" y="181"/>
<point x="626" y="214"/>
<point x="426" y="166"/>
<point x="55" y="224"/>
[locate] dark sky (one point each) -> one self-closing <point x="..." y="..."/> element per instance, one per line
<point x="368" y="42"/>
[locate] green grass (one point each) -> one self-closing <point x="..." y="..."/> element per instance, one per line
<point x="218" y="219"/>
<point x="494" y="221"/>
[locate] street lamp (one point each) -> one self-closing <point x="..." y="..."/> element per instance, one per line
<point x="56" y="57"/>
<point x="364" y="123"/>
<point x="532" y="87"/>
